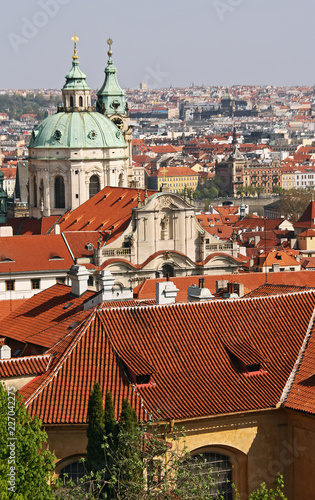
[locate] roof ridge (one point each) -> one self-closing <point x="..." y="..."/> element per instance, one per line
<point x="64" y="355"/>
<point x="26" y="358"/>
<point x="264" y="297"/>
<point x="298" y="361"/>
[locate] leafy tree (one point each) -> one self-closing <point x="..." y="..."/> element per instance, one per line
<point x="95" y="430"/>
<point x="278" y="190"/>
<point x="293" y="203"/>
<point x="128" y="465"/>
<point x="145" y="465"/>
<point x="262" y="493"/>
<point x="25" y="462"/>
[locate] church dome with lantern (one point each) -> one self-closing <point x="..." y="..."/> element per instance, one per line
<point x="81" y="149"/>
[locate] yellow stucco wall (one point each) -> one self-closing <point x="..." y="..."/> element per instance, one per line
<point x="306" y="243"/>
<point x="258" y="444"/>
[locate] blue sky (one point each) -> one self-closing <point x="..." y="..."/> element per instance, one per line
<point x="215" y="42"/>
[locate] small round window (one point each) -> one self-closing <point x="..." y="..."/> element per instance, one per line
<point x="57" y="135"/>
<point x="92" y="134"/>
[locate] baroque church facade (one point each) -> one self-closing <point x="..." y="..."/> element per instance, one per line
<point x="81" y="149"/>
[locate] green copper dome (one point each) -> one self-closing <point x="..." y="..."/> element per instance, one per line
<point x="77" y="130"/>
<point x="76" y="79"/>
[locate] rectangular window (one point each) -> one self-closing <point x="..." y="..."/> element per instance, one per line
<point x="60" y="280"/>
<point x="10" y="285"/>
<point x="35" y="284"/>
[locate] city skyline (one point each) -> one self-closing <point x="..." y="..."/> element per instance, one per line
<point x="218" y="42"/>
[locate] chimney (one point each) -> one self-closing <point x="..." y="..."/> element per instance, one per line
<point x="165" y="292"/>
<point x="5" y="350"/>
<point x="199" y="294"/>
<point x="79" y="276"/>
<point x="57" y="229"/>
<point x="6" y="231"/>
<point x="234" y="291"/>
<point x="220" y="284"/>
<point x="105" y="282"/>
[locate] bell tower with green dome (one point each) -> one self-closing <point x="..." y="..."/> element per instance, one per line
<point x="3" y="201"/>
<point x="111" y="102"/>
<point x="78" y="151"/>
<point x="76" y="94"/>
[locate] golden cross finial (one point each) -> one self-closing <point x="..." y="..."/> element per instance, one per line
<point x="75" y="39"/>
<point x="110" y="43"/>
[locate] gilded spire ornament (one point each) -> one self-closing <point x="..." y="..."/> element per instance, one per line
<point x="75" y="39"/>
<point x="110" y="43"/>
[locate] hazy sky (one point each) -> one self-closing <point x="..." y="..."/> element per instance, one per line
<point x="178" y="42"/>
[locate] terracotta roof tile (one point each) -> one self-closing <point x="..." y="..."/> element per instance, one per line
<point x="34" y="253"/>
<point x="43" y="319"/>
<point x="108" y="212"/>
<point x="186" y="345"/>
<point x="27" y="365"/>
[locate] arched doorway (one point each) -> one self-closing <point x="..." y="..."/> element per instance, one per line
<point x="60" y="201"/>
<point x="94" y="185"/>
<point x="71" y="102"/>
<point x="167" y="269"/>
<point x="81" y="101"/>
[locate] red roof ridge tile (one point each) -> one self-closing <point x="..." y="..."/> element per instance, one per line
<point x="297" y="364"/>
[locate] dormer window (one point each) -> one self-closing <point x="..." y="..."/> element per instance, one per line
<point x="245" y="358"/>
<point x="139" y="371"/>
<point x="143" y="379"/>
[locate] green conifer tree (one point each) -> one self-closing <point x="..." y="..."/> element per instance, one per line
<point x="95" y="459"/>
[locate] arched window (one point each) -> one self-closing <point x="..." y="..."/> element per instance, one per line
<point x="80" y="101"/>
<point x="73" y="471"/>
<point x="35" y="192"/>
<point x="221" y="471"/>
<point x="60" y="192"/>
<point x="94" y="185"/>
<point x="71" y="102"/>
<point x="167" y="270"/>
<point x="121" y="180"/>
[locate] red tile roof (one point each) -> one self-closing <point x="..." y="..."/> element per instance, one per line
<point x="27" y="226"/>
<point x="7" y="306"/>
<point x="300" y="394"/>
<point x="175" y="172"/>
<point x="43" y="319"/>
<point x="34" y="253"/>
<point x="272" y="289"/>
<point x="108" y="212"/>
<point x="28" y="365"/>
<point x="307" y="218"/>
<point x="250" y="280"/>
<point x="186" y="348"/>
<point x="252" y="222"/>
<point x="277" y="257"/>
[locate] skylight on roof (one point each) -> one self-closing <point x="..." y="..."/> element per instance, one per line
<point x="76" y="323"/>
<point x="5" y="259"/>
<point x="68" y="305"/>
